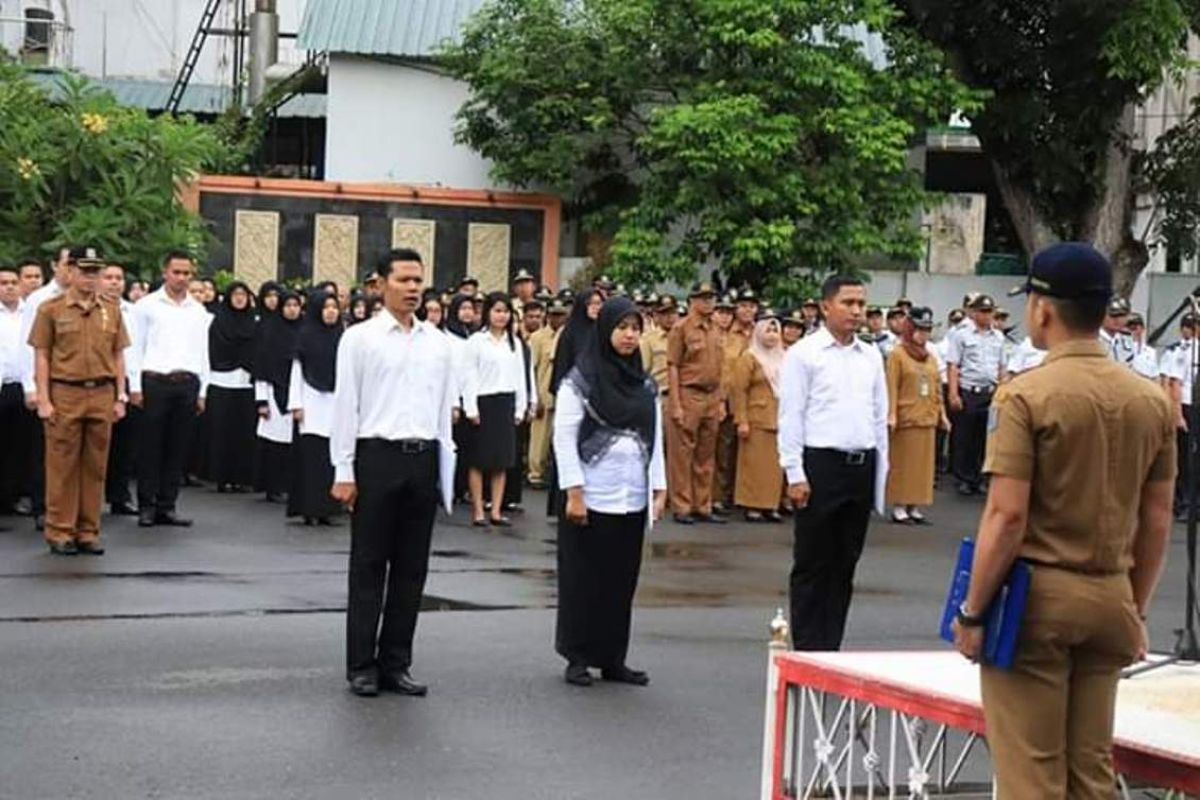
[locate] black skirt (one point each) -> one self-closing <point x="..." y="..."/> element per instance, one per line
<point x="598" y="569"/>
<point x="232" y="418"/>
<point x="274" y="467"/>
<point x="312" y="478"/>
<point x="492" y="444"/>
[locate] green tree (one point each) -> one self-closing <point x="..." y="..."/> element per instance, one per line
<point x="1063" y="79"/>
<point x="79" y="168"/>
<point x="758" y="136"/>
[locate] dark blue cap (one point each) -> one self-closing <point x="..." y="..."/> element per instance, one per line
<point x="1069" y="270"/>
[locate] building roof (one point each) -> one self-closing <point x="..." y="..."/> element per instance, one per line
<point x="198" y="98"/>
<point x="404" y="28"/>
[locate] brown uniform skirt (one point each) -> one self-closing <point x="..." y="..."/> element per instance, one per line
<point x="910" y="478"/>
<point x="759" y="482"/>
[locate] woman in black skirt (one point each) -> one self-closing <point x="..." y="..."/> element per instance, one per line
<point x="310" y="400"/>
<point x="610" y="465"/>
<point x="230" y="405"/>
<point x="273" y="355"/>
<point x="495" y="402"/>
<point x="459" y="326"/>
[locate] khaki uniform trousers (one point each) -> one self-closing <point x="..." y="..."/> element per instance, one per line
<point x="539" y="446"/>
<point x="692" y="451"/>
<point x="725" y="472"/>
<point x="1050" y="717"/>
<point x="77" y="439"/>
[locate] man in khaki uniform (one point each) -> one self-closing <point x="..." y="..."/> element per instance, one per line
<point x="541" y="355"/>
<point x="664" y="314"/>
<point x="697" y="407"/>
<point x="744" y="305"/>
<point x="1081" y="454"/>
<point x="79" y="339"/>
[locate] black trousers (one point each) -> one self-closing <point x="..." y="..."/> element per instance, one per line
<point x="514" y="481"/>
<point x="829" y="536"/>
<point x="1183" y="478"/>
<point x="33" y="449"/>
<point x="122" y="458"/>
<point x="942" y="440"/>
<point x="968" y="437"/>
<point x="169" y="414"/>
<point x="13" y="455"/>
<point x="390" y="533"/>
<point x="598" y="569"/>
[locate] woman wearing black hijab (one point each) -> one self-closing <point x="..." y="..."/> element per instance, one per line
<point x="576" y="333"/>
<point x="360" y="310"/>
<point x="268" y="298"/>
<point x="230" y="404"/>
<point x="459" y="324"/>
<point x="611" y="467"/>
<point x="277" y="334"/>
<point x="310" y="401"/>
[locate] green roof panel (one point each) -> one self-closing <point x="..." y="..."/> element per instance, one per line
<point x="404" y="28"/>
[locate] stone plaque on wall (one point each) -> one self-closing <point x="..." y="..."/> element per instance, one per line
<point x="419" y="235"/>
<point x="956" y="234"/>
<point x="256" y="246"/>
<point x="335" y="249"/>
<point x="489" y="246"/>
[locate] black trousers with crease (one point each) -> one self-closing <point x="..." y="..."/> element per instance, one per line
<point x="390" y="533"/>
<point x="829" y="536"/>
<point x="168" y="417"/>
<point x="968" y="437"/>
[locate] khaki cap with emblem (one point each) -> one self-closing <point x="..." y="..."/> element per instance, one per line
<point x="726" y="302"/>
<point x="982" y="302"/>
<point x="667" y="303"/>
<point x="794" y="318"/>
<point x="522" y="276"/>
<point x="702" y="289"/>
<point x="85" y="258"/>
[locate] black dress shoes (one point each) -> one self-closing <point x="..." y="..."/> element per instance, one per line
<point x="711" y="519"/>
<point x="90" y="548"/>
<point x="578" y="675"/>
<point x="146" y="518"/>
<point x="39" y="522"/>
<point x="402" y="683"/>
<point x="624" y="674"/>
<point x="364" y="685"/>
<point x="67" y="548"/>
<point x="171" y="519"/>
<point x="122" y="510"/>
<point x="684" y="519"/>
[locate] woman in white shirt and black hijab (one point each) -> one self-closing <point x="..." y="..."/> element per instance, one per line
<point x="495" y="402"/>
<point x="609" y="448"/>
<point x="310" y="400"/>
<point x="272" y="379"/>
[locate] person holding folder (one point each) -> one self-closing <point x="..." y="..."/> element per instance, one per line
<point x="391" y="448"/>
<point x="1081" y="453"/>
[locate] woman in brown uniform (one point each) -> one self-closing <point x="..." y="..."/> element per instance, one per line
<point x="914" y="412"/>
<point x="754" y="396"/>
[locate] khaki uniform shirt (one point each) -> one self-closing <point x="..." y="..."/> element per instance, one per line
<point x="1088" y="434"/>
<point x="694" y="348"/>
<point x="541" y="355"/>
<point x="654" y="358"/>
<point x="83" y="339"/>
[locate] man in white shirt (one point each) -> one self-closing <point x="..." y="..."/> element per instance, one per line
<point x="34" y="439"/>
<point x="31" y="276"/>
<point x="122" y="451"/>
<point x="975" y="356"/>
<point x="391" y="447"/>
<point x="1145" y="357"/>
<point x="170" y="348"/>
<point x="1114" y="333"/>
<point x="12" y="396"/>
<point x="833" y="445"/>
<point x="1180" y="363"/>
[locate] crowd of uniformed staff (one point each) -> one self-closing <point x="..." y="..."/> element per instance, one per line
<point x="389" y="401"/>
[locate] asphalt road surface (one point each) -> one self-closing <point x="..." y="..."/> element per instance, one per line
<point x="207" y="662"/>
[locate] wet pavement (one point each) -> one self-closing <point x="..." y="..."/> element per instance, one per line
<point x="206" y="662"/>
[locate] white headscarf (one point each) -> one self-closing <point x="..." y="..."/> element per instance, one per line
<point x="770" y="358"/>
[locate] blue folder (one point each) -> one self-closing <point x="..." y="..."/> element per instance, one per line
<point x="1003" y="617"/>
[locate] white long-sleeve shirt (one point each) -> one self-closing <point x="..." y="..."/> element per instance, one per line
<point x="317" y="405"/>
<point x="133" y="368"/>
<point x="28" y="314"/>
<point x="832" y="396"/>
<point x="11" y="344"/>
<point x="170" y="336"/>
<point x="392" y="384"/>
<point x="616" y="483"/>
<point x="496" y="368"/>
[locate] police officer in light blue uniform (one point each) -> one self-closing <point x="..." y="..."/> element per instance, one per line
<point x="974" y="356"/>
<point x="1114" y="332"/>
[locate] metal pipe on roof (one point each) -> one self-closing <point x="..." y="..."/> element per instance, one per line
<point x="264" y="48"/>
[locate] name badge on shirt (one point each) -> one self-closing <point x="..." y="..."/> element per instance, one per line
<point x="923" y="387"/>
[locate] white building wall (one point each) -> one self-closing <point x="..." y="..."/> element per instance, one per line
<point x="145" y="39"/>
<point x="393" y="122"/>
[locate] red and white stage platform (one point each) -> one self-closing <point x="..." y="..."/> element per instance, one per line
<point x="905" y="724"/>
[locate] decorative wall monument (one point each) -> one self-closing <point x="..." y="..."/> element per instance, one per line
<point x="956" y="230"/>
<point x="419" y="235"/>
<point x="335" y="249"/>
<point x="256" y="246"/>
<point x="489" y="247"/>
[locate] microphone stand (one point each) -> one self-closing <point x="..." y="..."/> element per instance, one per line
<point x="1187" y="645"/>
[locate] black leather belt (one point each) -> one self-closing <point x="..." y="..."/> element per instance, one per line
<point x="853" y="458"/>
<point x="90" y="383"/>
<point x="406" y="446"/>
<point x="179" y="376"/>
<point x="979" y="389"/>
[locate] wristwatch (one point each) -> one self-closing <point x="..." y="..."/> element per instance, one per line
<point x="966" y="620"/>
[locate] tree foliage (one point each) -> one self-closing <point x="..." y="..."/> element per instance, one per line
<point x="79" y="168"/>
<point x="1062" y="80"/>
<point x="760" y="136"/>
